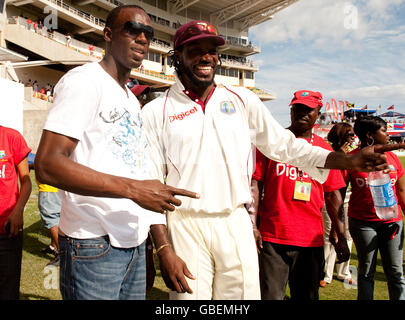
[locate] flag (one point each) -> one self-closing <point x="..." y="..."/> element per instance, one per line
<point x="342" y="109"/>
<point x="391" y="108"/>
<point x="399" y="126"/>
<point x="327" y="110"/>
<point x="335" y="109"/>
<point x="349" y="105"/>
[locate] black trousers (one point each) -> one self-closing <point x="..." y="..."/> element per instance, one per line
<point x="10" y="267"/>
<point x="300" y="267"/>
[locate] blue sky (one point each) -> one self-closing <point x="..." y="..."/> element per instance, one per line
<point x="348" y="50"/>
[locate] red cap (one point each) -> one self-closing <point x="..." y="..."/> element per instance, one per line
<point x="309" y="98"/>
<point x="196" y="30"/>
<point x="138" y="89"/>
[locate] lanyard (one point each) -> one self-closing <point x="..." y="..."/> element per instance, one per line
<point x="300" y="172"/>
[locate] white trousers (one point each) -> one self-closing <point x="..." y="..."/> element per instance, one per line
<point x="342" y="269"/>
<point x="220" y="251"/>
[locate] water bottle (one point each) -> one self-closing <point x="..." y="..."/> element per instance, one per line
<point x="383" y="195"/>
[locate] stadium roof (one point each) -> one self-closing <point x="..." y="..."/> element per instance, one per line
<point x="247" y="12"/>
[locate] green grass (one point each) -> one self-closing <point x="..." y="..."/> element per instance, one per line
<point x="35" y="284"/>
<point x="38" y="283"/>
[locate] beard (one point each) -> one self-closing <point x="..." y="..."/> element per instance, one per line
<point x="200" y="83"/>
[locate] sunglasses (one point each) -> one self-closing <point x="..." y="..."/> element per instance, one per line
<point x="130" y="84"/>
<point x="135" y="28"/>
<point x="199" y="28"/>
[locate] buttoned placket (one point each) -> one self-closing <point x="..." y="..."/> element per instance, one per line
<point x="197" y="100"/>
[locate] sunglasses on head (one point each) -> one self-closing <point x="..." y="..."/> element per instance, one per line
<point x="136" y="28"/>
<point x="200" y="28"/>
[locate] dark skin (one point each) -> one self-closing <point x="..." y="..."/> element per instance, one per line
<point x="16" y="218"/>
<point x="198" y="61"/>
<point x="174" y="270"/>
<point x="53" y="165"/>
<point x="381" y="137"/>
<point x="349" y="141"/>
<point x="123" y="51"/>
<point x="302" y="121"/>
<point x="336" y="237"/>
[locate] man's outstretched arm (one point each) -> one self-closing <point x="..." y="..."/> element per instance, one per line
<point x="53" y="166"/>
<point x="368" y="159"/>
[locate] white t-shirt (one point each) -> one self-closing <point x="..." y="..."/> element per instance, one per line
<point x="210" y="153"/>
<point x="90" y="106"/>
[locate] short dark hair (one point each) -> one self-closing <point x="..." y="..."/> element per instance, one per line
<point x="337" y="135"/>
<point x="368" y="124"/>
<point x="113" y="14"/>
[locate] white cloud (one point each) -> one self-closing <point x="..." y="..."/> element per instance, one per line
<point x="309" y="20"/>
<point x="372" y="93"/>
<point x="327" y="21"/>
<point x="307" y="46"/>
<point x="382" y="7"/>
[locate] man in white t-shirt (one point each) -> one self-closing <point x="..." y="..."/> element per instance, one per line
<point x="203" y="134"/>
<point x="94" y="149"/>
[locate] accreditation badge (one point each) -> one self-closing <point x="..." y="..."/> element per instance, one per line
<point x="302" y="191"/>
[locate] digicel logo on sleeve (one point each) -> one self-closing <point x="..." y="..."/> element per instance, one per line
<point x="182" y="115"/>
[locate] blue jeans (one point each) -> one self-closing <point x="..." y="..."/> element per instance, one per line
<point x="369" y="237"/>
<point x="92" y="269"/>
<point x="49" y="204"/>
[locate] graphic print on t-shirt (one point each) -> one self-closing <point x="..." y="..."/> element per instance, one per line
<point x="126" y="139"/>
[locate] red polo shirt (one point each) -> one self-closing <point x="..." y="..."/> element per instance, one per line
<point x="283" y="219"/>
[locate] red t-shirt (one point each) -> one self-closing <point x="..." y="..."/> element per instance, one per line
<point x="13" y="149"/>
<point x="283" y="219"/>
<point x="361" y="204"/>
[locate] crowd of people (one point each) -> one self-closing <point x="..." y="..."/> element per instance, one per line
<point x="181" y="168"/>
<point x="65" y="37"/>
<point x="48" y="89"/>
<point x="44" y="92"/>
